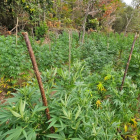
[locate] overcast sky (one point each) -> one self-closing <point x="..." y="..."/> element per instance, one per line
<point x="127" y="1"/>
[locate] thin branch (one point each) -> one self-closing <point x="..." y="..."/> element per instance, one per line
<point x="85" y="19"/>
<point x="128" y="22"/>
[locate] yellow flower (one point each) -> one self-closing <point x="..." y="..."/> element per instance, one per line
<point x="98" y="103"/>
<point x="55" y="129"/>
<point x="23" y="84"/>
<point x="27" y="84"/>
<point x="100" y="86"/>
<point x="2" y="79"/>
<point x="103" y="89"/>
<point x="14" y="85"/>
<point x="125" y="128"/>
<point x="134" y="137"/>
<point x="8" y="86"/>
<point x="8" y="92"/>
<point x="134" y="123"/>
<point x="4" y="85"/>
<point x="107" y="77"/>
<point x="8" y="80"/>
<point x="32" y="10"/>
<point x="27" y="6"/>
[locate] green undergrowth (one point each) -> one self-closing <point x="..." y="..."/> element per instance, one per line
<point x="85" y="103"/>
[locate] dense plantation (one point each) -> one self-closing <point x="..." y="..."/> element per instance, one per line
<point x="85" y="100"/>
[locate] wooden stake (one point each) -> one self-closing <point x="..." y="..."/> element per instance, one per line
<point x="69" y="51"/>
<point x="50" y="46"/>
<point x="16" y="30"/>
<point x="33" y="32"/>
<point x="127" y="65"/>
<point x="44" y="14"/>
<point x="31" y="53"/>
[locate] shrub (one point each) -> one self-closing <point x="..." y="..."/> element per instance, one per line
<point x="41" y="30"/>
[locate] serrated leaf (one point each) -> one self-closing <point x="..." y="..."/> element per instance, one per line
<point x="65" y="112"/>
<point x="62" y="124"/>
<point x="63" y="102"/>
<point x="22" y="107"/>
<point x="15" y="114"/>
<point x="77" y="125"/>
<point x="41" y="108"/>
<point x="36" y="109"/>
<point x="55" y="136"/>
<point x="62" y="134"/>
<point x="78" y="112"/>
<point x="52" y="123"/>
<point x="31" y="135"/>
<point x="52" y="119"/>
<point x="75" y="139"/>
<point x="25" y="134"/>
<point x="55" y="71"/>
<point x="15" y="135"/>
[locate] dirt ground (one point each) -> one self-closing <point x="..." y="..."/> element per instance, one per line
<point x="3" y="96"/>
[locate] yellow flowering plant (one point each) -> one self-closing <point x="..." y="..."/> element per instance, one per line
<point x="98" y="103"/>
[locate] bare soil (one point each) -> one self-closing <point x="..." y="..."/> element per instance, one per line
<point x="3" y="96"/>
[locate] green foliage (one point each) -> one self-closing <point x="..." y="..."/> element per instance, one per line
<point x="13" y="59"/>
<point x="125" y="13"/>
<point x="41" y="30"/>
<point x="85" y="102"/>
<point x="56" y="53"/>
<point x="92" y="23"/>
<point x="73" y="107"/>
<point x="23" y="115"/>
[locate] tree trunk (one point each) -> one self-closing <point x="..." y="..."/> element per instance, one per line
<point x="85" y="19"/>
<point x="128" y="22"/>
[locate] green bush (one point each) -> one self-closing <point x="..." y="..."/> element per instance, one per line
<point x="14" y="59"/>
<point x="41" y="30"/>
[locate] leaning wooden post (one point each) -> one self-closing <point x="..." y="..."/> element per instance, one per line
<point x="31" y="53"/>
<point x="69" y="51"/>
<point x="127" y="65"/>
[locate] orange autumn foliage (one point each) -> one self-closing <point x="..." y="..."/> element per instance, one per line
<point x="108" y="6"/>
<point x="53" y="24"/>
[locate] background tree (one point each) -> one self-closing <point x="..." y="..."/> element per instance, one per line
<point x="102" y="14"/>
<point x="128" y="19"/>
